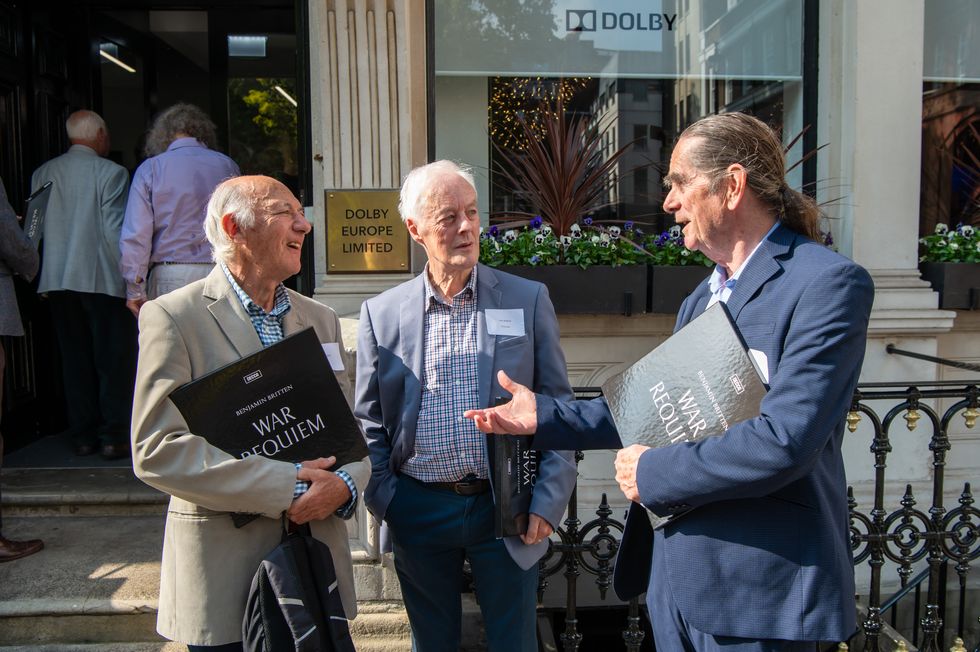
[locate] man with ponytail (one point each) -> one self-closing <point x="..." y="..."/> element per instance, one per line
<point x="764" y="562"/>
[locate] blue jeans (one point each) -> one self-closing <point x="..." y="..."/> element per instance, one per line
<point x="433" y="531"/>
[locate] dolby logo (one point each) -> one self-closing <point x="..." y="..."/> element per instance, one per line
<point x="580" y="20"/>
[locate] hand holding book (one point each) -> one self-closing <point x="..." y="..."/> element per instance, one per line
<point x="627" y="460"/>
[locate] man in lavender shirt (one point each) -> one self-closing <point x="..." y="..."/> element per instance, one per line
<point x="163" y="246"/>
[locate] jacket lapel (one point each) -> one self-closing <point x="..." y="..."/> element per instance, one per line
<point x="229" y="313"/>
<point x="411" y="321"/>
<point x="487" y="297"/>
<point x="762" y="267"/>
<point x="294" y="321"/>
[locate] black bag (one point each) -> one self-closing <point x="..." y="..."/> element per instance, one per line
<point x="294" y="602"/>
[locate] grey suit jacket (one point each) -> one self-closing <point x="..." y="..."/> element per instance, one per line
<point x="208" y="564"/>
<point x="389" y="383"/>
<point x="17" y="256"/>
<point x="82" y="223"/>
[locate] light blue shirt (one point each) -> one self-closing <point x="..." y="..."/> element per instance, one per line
<point x="165" y="212"/>
<point x="721" y="285"/>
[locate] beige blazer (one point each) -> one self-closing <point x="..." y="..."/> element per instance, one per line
<point x="208" y="564"/>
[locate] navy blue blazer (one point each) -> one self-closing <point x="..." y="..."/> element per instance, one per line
<point x="766" y="554"/>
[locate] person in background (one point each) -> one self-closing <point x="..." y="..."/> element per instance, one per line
<point x="17" y="256"/>
<point x="85" y="291"/>
<point x="762" y="561"/>
<point x="162" y="244"/>
<point x="427" y="350"/>
<point x="256" y="228"/>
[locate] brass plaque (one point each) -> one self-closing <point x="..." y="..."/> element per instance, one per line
<point x="365" y="232"/>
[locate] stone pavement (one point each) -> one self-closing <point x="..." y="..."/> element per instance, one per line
<point x="95" y="584"/>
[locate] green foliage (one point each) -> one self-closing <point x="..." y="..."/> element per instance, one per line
<point x="585" y="245"/>
<point x="960" y="245"/>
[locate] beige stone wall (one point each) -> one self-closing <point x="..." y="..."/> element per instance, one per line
<point x="368" y="95"/>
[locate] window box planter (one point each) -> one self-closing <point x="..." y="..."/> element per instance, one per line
<point x="670" y="285"/>
<point x="600" y="289"/>
<point x="958" y="284"/>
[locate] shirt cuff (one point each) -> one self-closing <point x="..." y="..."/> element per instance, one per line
<point x="346" y="510"/>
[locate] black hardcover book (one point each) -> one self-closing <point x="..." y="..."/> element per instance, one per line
<point x="515" y="468"/>
<point x="283" y="402"/>
<point x="696" y="384"/>
<point x="34" y="210"/>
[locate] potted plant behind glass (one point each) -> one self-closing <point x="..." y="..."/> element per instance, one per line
<point x="589" y="267"/>
<point x="950" y="261"/>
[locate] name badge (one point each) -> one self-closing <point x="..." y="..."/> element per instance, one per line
<point x="332" y="350"/>
<point x="505" y="322"/>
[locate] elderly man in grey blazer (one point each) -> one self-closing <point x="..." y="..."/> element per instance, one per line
<point x="85" y="289"/>
<point x="256" y="228"/>
<point x="426" y="349"/>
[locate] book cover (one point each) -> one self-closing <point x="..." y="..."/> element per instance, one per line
<point x="696" y="384"/>
<point x="514" y="468"/>
<point x="34" y="210"/>
<point x="283" y="402"/>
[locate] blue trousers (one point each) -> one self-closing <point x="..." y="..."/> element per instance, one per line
<point x="672" y="633"/>
<point x="432" y="532"/>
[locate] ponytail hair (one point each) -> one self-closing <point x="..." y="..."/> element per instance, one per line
<point x="729" y="138"/>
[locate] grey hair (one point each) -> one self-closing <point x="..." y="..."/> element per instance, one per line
<point x="238" y="196"/>
<point x="415" y="188"/>
<point x="181" y="118"/>
<point x="84" y="125"/>
<point x="728" y="138"/>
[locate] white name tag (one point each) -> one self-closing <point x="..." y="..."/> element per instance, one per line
<point x="505" y="322"/>
<point x="332" y="350"/>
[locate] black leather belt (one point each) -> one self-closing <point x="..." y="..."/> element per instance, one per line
<point x="470" y="487"/>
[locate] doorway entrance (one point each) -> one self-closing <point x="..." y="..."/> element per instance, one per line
<point x="128" y="60"/>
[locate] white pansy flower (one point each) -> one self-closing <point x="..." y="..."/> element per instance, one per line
<point x="967" y="231"/>
<point x="953" y="246"/>
<point x="545" y="229"/>
<point x="510" y="235"/>
<point x="596" y="239"/>
<point x="566" y="241"/>
<point x="685" y="252"/>
<point x="614" y="232"/>
<point x="675" y="231"/>
<point x="942" y="229"/>
<point x="539" y="239"/>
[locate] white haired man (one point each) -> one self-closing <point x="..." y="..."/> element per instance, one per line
<point x="428" y="349"/>
<point x="85" y="290"/>
<point x="256" y="228"/>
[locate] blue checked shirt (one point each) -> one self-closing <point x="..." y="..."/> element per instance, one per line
<point x="447" y="447"/>
<point x="268" y="326"/>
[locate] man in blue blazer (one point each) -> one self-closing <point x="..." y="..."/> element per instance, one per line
<point x="428" y="350"/>
<point x="763" y="561"/>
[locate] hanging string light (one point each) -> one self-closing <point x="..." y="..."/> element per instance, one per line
<point x="529" y="98"/>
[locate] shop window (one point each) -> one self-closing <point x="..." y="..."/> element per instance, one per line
<point x="631" y="72"/>
<point x="950" y="182"/>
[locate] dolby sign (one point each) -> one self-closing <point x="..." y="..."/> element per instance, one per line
<point x="365" y="232"/>
<point x="618" y="25"/>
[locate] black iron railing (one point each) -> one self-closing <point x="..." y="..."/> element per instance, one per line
<point x="925" y="540"/>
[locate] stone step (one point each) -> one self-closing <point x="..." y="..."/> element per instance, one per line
<point x="167" y="646"/>
<point x="78" y="492"/>
<point x="97" y="582"/>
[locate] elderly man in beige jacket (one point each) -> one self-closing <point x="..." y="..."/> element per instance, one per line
<point x="256" y="228"/>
